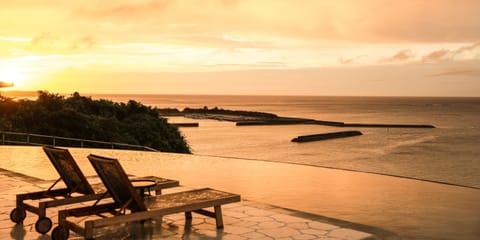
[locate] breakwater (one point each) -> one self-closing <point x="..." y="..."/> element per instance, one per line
<point x="246" y="118"/>
<point x="185" y="124"/>
<point x="376" y="125"/>
<point x="281" y="121"/>
<point x="287" y="121"/>
<point x="325" y="136"/>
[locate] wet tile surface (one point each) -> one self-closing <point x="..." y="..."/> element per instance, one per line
<point x="243" y="220"/>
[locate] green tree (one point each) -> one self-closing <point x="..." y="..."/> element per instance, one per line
<point x="83" y="117"/>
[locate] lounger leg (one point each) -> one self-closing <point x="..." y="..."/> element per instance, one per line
<point x="18" y="214"/>
<point x="61" y="231"/>
<point x="218" y="217"/>
<point x="188" y="215"/>
<point x="20" y="205"/>
<point x="42" y="209"/>
<point x="62" y="219"/>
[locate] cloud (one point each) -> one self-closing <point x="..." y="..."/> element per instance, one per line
<point x="256" y="65"/>
<point x="217" y="41"/>
<point x="272" y="64"/>
<point x="436" y="56"/>
<point x="126" y="12"/>
<point x="401" y="56"/>
<point x="311" y="20"/>
<point x="86" y="42"/>
<point x="456" y="72"/>
<point x="345" y="60"/>
<point x="472" y="51"/>
<point x="44" y="42"/>
<point x="462" y="53"/>
<point x="347" y="20"/>
<point x="473" y="47"/>
<point x="457" y="69"/>
<point x="14" y="39"/>
<point x="50" y="43"/>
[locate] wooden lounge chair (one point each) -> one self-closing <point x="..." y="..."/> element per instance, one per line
<point x="128" y="206"/>
<point x="77" y="190"/>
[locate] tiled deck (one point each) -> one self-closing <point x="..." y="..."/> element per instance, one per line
<point x="244" y="220"/>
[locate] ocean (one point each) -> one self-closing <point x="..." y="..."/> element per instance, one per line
<point x="449" y="153"/>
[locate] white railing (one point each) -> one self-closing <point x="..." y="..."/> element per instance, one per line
<point x="18" y="138"/>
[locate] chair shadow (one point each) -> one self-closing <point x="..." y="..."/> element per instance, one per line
<point x="18" y="232"/>
<point x="155" y="229"/>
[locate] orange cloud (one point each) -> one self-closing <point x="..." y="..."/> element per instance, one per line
<point x="50" y="43"/>
<point x="257" y="65"/>
<point x="311" y="21"/>
<point x="456" y="72"/>
<point x="472" y="50"/>
<point x="402" y="56"/>
<point x="345" y="61"/>
<point x="86" y="42"/>
<point x="436" y="56"/>
<point x="467" y="52"/>
<point x="125" y="12"/>
<point x="346" y="20"/>
<point x="44" y="41"/>
<point x="216" y="41"/>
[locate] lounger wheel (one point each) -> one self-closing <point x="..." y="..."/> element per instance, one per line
<point x="17" y="216"/>
<point x="43" y="225"/>
<point x="60" y="233"/>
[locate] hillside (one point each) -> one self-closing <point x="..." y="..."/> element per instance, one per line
<point x="82" y="117"/>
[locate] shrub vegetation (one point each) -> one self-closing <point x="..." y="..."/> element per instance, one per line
<point x="85" y="118"/>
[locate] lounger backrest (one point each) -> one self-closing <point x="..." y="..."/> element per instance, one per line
<point x="117" y="183"/>
<point x="68" y="170"/>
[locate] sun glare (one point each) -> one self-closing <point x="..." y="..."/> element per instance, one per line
<point x="14" y="75"/>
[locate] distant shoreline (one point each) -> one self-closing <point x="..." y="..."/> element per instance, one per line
<point x="241" y="118"/>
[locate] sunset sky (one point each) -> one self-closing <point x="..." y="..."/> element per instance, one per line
<point x="267" y="47"/>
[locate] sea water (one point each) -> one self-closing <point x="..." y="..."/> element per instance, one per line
<point x="449" y="153"/>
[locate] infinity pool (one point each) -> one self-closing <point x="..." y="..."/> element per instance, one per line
<point x="412" y="209"/>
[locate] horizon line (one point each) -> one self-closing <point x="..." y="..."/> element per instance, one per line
<point x="34" y="92"/>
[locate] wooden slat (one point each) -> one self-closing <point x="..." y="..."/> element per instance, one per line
<point x="185" y="207"/>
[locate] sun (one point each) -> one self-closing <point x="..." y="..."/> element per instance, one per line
<point x="12" y="76"/>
